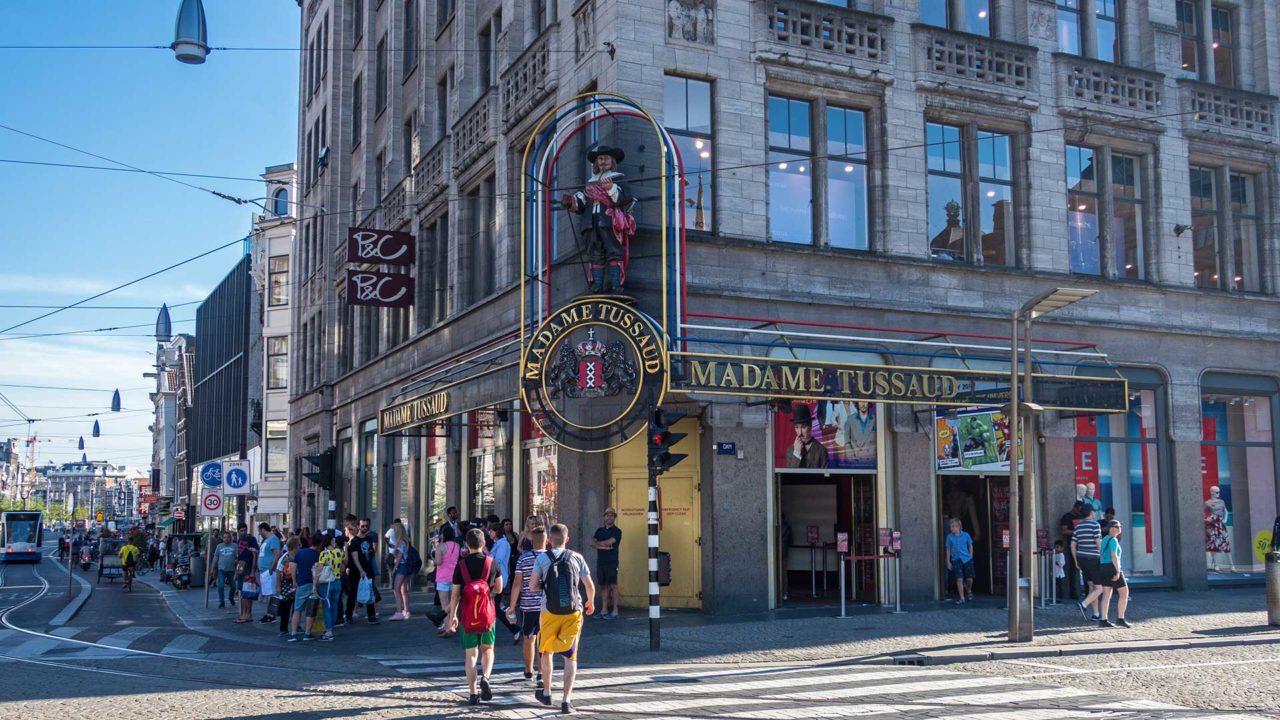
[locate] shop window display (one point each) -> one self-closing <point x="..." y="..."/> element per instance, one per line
<point x="846" y="429"/>
<point x="1117" y="468"/>
<point x="1238" y="481"/>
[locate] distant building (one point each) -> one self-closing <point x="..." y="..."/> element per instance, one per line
<point x="273" y="238"/>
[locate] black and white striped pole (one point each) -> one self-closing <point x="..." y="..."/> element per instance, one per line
<point x="661" y="459"/>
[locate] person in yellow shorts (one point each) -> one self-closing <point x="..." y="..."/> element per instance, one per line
<point x="558" y="573"/>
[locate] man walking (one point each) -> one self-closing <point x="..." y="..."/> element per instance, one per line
<point x="1085" y="548"/>
<point x="526" y="603"/>
<point x="606" y="542"/>
<point x="361" y="551"/>
<point x="475" y="581"/>
<point x="557" y="574"/>
<point x="225" y="568"/>
<point x="1066" y="527"/>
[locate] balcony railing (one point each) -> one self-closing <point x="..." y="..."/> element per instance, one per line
<point x="949" y="56"/>
<point x="529" y="78"/>
<point x="476" y="131"/>
<point x="429" y="176"/>
<point x="1212" y="108"/>
<point x="845" y="33"/>
<point x="1108" y="86"/>
<point x="396" y="208"/>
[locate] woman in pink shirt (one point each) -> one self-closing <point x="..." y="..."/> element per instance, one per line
<point x="446" y="557"/>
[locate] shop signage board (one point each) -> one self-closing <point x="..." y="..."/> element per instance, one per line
<point x="381" y="247"/>
<point x="235" y="476"/>
<point x="885" y="537"/>
<point x="210" y="502"/>
<point x="786" y="378"/>
<point x="415" y="411"/>
<point x="973" y="439"/>
<point x="379" y="289"/>
<point x="842" y="542"/>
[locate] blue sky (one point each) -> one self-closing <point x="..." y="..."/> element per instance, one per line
<point x="66" y="233"/>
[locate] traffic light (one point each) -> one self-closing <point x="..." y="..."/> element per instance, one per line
<point x="661" y="440"/>
<point x="322" y="475"/>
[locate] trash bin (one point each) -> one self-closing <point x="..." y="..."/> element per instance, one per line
<point x="664" y="568"/>
<point x="197" y="571"/>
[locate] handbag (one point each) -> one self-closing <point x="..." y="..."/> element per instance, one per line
<point x="364" y="591"/>
<point x="326" y="574"/>
<point x="249" y="590"/>
<point x="267" y="584"/>
<point x="241" y="567"/>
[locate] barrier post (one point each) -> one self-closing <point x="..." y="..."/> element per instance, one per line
<point x="897" y="585"/>
<point x="843" y="614"/>
<point x="813" y="571"/>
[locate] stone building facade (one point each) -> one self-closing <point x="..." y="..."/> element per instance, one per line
<point x="914" y="168"/>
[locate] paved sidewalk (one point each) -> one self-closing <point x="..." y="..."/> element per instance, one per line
<point x="925" y="634"/>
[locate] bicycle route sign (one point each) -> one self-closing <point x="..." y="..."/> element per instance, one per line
<point x="235" y="473"/>
<point x="211" y="474"/>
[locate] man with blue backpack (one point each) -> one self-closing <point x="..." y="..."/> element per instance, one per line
<point x="557" y="573"/>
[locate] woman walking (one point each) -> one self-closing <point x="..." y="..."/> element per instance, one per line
<point x="398" y="550"/>
<point x="285" y="571"/>
<point x="1113" y="575"/>
<point x="447" y="552"/>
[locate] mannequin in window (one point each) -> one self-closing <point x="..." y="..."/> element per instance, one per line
<point x="1216" y="538"/>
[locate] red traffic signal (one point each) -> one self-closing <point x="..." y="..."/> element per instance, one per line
<point x="661" y="440"/>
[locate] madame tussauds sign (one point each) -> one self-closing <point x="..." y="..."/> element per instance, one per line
<point x="413" y="412"/>
<point x="591" y="372"/>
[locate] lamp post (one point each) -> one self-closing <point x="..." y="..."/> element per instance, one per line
<point x="190" y="33"/>
<point x="1021" y="574"/>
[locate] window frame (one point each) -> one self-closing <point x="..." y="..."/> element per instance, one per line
<point x="682" y="130"/>
<point x="955" y="18"/>
<point x="273" y="355"/>
<point x="269" y="439"/>
<point x="972" y="134"/>
<point x="410" y="32"/>
<point x="382" y="92"/>
<point x="799" y="155"/>
<point x="1111" y="248"/>
<point x="1224" y="226"/>
<point x="273" y="274"/>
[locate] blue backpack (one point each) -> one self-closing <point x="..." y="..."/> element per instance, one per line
<point x="412" y="560"/>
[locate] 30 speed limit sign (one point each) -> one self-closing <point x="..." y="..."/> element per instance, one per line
<point x="210" y="502"/>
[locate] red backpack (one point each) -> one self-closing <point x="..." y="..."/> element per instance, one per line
<point x="478" y="612"/>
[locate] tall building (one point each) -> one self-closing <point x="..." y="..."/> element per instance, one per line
<point x="273" y="238"/>
<point x="866" y="183"/>
<point x="89" y="488"/>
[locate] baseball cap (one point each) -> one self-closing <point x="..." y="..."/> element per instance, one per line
<point x="610" y="511"/>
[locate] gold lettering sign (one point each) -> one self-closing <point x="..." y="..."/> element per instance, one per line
<point x="415" y="411"/>
<point x="797" y="379"/>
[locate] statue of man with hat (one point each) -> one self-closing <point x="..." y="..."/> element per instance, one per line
<point x="608" y="203"/>
<point x="806" y="452"/>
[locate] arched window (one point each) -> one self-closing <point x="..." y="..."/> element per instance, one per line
<point x="280" y="205"/>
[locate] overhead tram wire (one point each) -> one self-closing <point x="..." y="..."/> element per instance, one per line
<point x="101" y="307"/>
<point x="4" y="336"/>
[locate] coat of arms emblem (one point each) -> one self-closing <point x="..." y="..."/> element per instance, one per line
<point x="592" y="369"/>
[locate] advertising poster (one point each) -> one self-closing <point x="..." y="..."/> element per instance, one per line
<point x="974" y="439"/>
<point x="846" y="429"/>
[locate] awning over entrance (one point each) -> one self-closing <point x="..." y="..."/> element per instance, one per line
<point x="747" y="357"/>
<point x="478" y="378"/>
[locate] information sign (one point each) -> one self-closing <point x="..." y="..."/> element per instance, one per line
<point x="210" y="502"/>
<point x="211" y="474"/>
<point x="235" y="474"/>
<point x="842" y="542"/>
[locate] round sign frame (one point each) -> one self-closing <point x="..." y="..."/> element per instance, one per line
<point x="215" y="505"/>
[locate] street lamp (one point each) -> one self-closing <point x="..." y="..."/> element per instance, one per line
<point x="190" y="33"/>
<point x="1021" y="572"/>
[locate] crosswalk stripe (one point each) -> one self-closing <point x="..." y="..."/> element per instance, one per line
<point x="67" y="632"/>
<point x="452" y="668"/>
<point x="34" y="647"/>
<point x="898" y="689"/>
<point x="1000" y="698"/>
<point x="185" y="644"/>
<point x="785" y="682"/>
<point x="125" y="637"/>
<point x="405" y="663"/>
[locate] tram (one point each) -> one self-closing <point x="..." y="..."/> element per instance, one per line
<point x="20" y="536"/>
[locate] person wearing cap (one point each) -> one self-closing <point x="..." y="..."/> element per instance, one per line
<point x="608" y="231"/>
<point x="606" y="542"/>
<point x="805" y="451"/>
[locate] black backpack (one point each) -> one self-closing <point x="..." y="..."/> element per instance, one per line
<point x="412" y="560"/>
<point x="560" y="586"/>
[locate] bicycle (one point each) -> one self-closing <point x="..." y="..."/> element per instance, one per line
<point x="143" y="567"/>
<point x="128" y="577"/>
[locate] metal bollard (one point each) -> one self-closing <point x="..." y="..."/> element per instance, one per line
<point x="813" y="571"/>
<point x="1273" y="588"/>
<point x="897" y="585"/>
<point x="843" y="615"/>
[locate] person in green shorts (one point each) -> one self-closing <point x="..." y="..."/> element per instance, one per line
<point x="476" y="645"/>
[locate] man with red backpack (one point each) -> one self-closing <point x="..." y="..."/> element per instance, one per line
<point x="475" y="581"/>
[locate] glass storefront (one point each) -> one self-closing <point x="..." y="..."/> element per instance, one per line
<point x="367" y="492"/>
<point x="1117" y="473"/>
<point x="488" y="474"/>
<point x="1238" y="476"/>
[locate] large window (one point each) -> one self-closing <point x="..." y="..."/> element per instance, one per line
<point x="1235" y="264"/>
<point x="1069" y="30"/>
<point x="433" y="272"/>
<point x="687" y="113"/>
<point x="790" y="171"/>
<point x="1089" y="27"/>
<point x="488" y="52"/>
<point x="442" y="105"/>
<point x="278" y="280"/>
<point x="407" y="142"/>
<point x="1117" y="468"/>
<point x="541" y="480"/>
<point x="444" y="13"/>
<point x="380" y="70"/>
<point x="1208" y="56"/>
<point x="1237" y="472"/>
<point x="847" y="221"/>
<point x="480" y="248"/>
<point x="280" y="203"/>
<point x="410" y="51"/>
<point x="1223" y="44"/>
<point x="971" y="16"/>
<point x="954" y="193"/>
<point x="367" y="497"/>
<point x="357" y="111"/>
<point x="278" y="362"/>
<point x="1189" y="28"/>
<point x="277" y="446"/>
<point x="1089" y="198"/>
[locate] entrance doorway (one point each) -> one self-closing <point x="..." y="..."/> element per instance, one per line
<point x="814" y="508"/>
<point x="981" y="502"/>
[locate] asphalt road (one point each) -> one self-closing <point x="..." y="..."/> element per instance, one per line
<point x="127" y="655"/>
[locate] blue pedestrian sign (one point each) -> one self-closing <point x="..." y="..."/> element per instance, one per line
<point x="211" y="474"/>
<point x="236" y="475"/>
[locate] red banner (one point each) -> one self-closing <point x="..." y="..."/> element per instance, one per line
<point x="1208" y="456"/>
<point x="379" y="247"/>
<point x="1086" y="453"/>
<point x="379" y="289"/>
